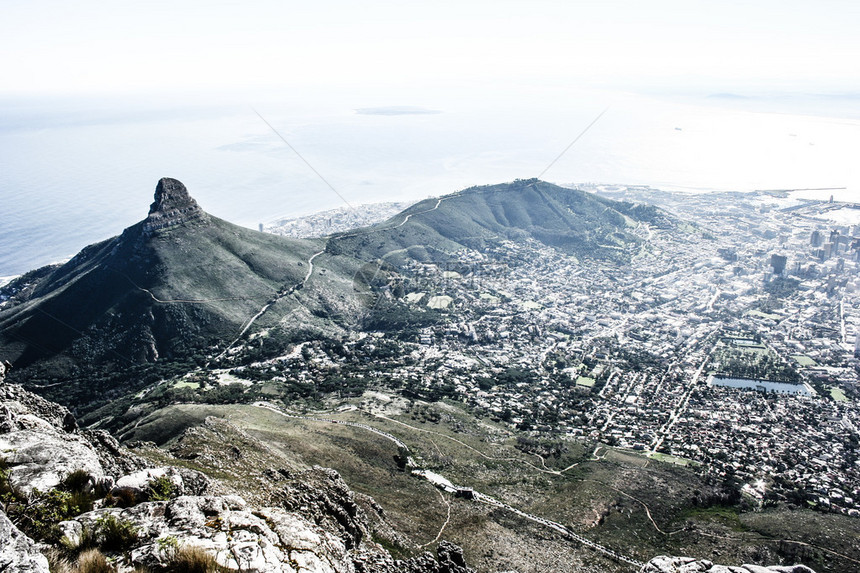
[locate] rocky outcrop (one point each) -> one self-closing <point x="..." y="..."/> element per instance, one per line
<point x="449" y="559"/>
<point x="18" y="553"/>
<point x="323" y="496"/>
<point x="239" y="536"/>
<point x="172" y="206"/>
<point x="29" y="403"/>
<point x="303" y="521"/>
<point x="182" y="481"/>
<point x="243" y="538"/>
<point x="38" y="442"/>
<point x="41" y="444"/>
<point x="115" y="459"/>
<point x="664" y="564"/>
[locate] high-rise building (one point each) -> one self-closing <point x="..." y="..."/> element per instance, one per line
<point x="778" y="264"/>
<point x="815" y="239"/>
<point x="834" y="236"/>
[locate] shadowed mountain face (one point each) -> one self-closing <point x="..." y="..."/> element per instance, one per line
<point x="176" y="282"/>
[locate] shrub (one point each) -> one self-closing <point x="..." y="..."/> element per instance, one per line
<point x="160" y="489"/>
<point x="77" y="481"/>
<point x="87" y="540"/>
<point x="90" y="561"/>
<point x="38" y="513"/>
<point x="80" y="502"/>
<point x="190" y="559"/>
<point x="93" y="561"/>
<point x="56" y="562"/>
<point x="112" y="534"/>
<point x="124" y="497"/>
<point x="5" y="486"/>
<point x="168" y="546"/>
<point x="108" y="533"/>
<point x="81" y="497"/>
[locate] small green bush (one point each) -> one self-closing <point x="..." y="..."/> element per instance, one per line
<point x="81" y="497"/>
<point x="160" y="489"/>
<point x="112" y="534"/>
<point x="167" y="546"/>
<point x="37" y="513"/>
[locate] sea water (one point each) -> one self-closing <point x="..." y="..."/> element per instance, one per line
<point x="71" y="176"/>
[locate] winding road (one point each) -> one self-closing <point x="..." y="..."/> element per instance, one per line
<point x="281" y="294"/>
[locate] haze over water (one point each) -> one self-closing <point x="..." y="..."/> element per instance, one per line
<point x="76" y="175"/>
<point x="99" y="101"/>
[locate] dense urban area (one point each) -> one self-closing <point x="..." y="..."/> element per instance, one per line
<point x="727" y="344"/>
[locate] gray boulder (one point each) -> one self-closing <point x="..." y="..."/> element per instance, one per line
<point x="18" y="552"/>
<point x="667" y="564"/>
<point x="39" y="452"/>
<point x="41" y="444"/>
<point x="239" y="537"/>
<point x="183" y="481"/>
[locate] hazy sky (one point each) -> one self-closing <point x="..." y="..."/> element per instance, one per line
<point x="100" y="47"/>
<point x="100" y="99"/>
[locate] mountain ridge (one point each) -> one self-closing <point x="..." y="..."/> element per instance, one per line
<point x="576" y="222"/>
<point x="177" y="281"/>
<point x="182" y="286"/>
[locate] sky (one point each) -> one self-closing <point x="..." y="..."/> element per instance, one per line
<point x="214" y="47"/>
<point x="99" y="99"/>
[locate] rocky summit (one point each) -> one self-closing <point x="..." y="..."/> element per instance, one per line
<point x="172" y="206"/>
<point x="171" y="287"/>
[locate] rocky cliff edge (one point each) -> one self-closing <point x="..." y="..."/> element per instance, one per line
<point x="102" y="497"/>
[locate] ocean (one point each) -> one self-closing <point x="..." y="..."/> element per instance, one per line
<point x="73" y="174"/>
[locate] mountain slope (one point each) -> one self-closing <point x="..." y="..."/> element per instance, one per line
<point x="177" y="282"/>
<point x="571" y="220"/>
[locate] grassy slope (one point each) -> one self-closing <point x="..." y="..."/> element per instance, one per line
<point x="602" y="500"/>
<point x="95" y="317"/>
<point x="571" y="220"/>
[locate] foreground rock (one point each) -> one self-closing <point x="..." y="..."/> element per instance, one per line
<point x="240" y="537"/>
<point x="39" y="443"/>
<point x="243" y="538"/>
<point x="18" y="553"/>
<point x="306" y="520"/>
<point x="664" y="564"/>
<point x="182" y="482"/>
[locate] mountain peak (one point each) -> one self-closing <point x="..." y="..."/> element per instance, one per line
<point x="171" y="194"/>
<point x="172" y="206"/>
